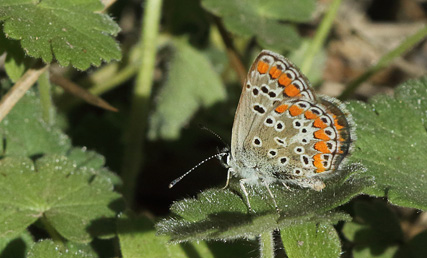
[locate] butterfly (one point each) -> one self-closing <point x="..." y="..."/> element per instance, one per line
<point x="283" y="132"/>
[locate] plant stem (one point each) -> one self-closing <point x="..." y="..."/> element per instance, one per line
<point x="111" y="80"/>
<point x="233" y="56"/>
<point x="133" y="153"/>
<point x="385" y="61"/>
<point x="81" y="93"/>
<point x="320" y="37"/>
<point x="266" y="243"/>
<point x="18" y="90"/>
<point x="45" y="98"/>
<point x="56" y="237"/>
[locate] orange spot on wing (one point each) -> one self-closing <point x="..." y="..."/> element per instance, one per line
<point x="262" y="67"/>
<point x="291" y="90"/>
<point x="294" y="110"/>
<point x="274" y="72"/>
<point x="282" y="108"/>
<point x="310" y="115"/>
<point x="318" y="157"/>
<point x="337" y="125"/>
<point x="317" y="162"/>
<point x="321" y="135"/>
<point x="322" y="147"/>
<point x="319" y="123"/>
<point x="320" y="170"/>
<point x="284" y="80"/>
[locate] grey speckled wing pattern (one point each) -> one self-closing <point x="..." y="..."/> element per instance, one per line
<point x="283" y="132"/>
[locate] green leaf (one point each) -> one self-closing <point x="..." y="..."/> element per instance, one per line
<point x="16" y="62"/>
<point x="379" y="231"/>
<point x="392" y="143"/>
<point x="71" y="199"/>
<point x="262" y="19"/>
<point x="26" y="134"/>
<point x="47" y="248"/>
<point x="311" y="240"/>
<point x="69" y="31"/>
<point x="86" y="249"/>
<point x="138" y="239"/>
<point x="192" y="83"/>
<point x="223" y="214"/>
<point x="15" y="247"/>
<point x="93" y="161"/>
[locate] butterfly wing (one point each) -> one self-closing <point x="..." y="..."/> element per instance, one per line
<point x="270" y="80"/>
<point x="281" y="128"/>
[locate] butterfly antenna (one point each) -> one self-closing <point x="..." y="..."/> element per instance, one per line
<point x="174" y="182"/>
<point x="215" y="134"/>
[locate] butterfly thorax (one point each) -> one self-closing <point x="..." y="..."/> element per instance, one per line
<point x="252" y="171"/>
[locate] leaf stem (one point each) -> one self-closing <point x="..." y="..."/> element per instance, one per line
<point x="110" y="80"/>
<point x="385" y="61"/>
<point x="45" y="98"/>
<point x="266" y="243"/>
<point x="18" y="90"/>
<point x="133" y="153"/>
<point x="320" y="37"/>
<point x="81" y="93"/>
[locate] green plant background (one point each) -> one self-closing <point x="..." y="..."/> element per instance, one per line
<point x="80" y="181"/>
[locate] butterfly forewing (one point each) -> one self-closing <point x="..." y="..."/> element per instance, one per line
<point x="270" y="80"/>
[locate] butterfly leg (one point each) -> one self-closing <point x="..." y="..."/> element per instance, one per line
<point x="230" y="170"/>
<point x="287" y="187"/>
<point x="272" y="196"/>
<point x="242" y="186"/>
